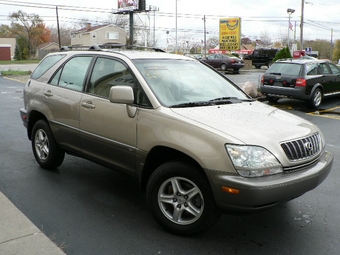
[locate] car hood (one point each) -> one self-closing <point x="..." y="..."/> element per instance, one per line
<point x="249" y="122"/>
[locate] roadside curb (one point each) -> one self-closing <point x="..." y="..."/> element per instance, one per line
<point x="19" y="78"/>
<point x="19" y="235"/>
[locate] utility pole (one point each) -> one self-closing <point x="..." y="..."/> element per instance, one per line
<point x="59" y="40"/>
<point x="205" y="38"/>
<point x="301" y="24"/>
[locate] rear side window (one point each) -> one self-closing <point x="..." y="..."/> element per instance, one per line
<point x="46" y="64"/>
<point x="334" y="68"/>
<point x="72" y="74"/>
<point x="285" y="69"/>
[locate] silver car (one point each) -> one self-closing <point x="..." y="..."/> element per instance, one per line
<point x="196" y="142"/>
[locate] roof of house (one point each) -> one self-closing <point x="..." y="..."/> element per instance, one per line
<point x="90" y="28"/>
<point x="44" y="45"/>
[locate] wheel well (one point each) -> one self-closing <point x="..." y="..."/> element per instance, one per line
<point x="160" y="155"/>
<point x="32" y="119"/>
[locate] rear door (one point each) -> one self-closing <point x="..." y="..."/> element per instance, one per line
<point x="330" y="81"/>
<point x="108" y="134"/>
<point x="335" y="77"/>
<point x="61" y="100"/>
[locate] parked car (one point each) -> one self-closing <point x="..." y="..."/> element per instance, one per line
<point x="197" y="144"/>
<point x="224" y="62"/>
<point x="262" y="57"/>
<point x="305" y="79"/>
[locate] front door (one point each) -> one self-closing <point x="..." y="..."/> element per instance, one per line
<point x="108" y="134"/>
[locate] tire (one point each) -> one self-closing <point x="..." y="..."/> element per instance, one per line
<point x="175" y="208"/>
<point x="236" y="70"/>
<point x="272" y="99"/>
<point x="316" y="98"/>
<point x="224" y="67"/>
<point x="46" y="151"/>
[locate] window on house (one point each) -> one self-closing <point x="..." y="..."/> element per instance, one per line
<point x="111" y="35"/>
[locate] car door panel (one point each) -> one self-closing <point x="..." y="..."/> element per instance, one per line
<point x="107" y="132"/>
<point x="62" y="108"/>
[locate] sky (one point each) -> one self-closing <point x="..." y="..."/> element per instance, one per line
<point x="258" y="17"/>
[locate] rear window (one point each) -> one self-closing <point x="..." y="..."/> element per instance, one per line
<point x="46" y="64"/>
<point x="285" y="69"/>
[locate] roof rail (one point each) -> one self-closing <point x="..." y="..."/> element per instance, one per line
<point x="144" y="47"/>
<point x="101" y="47"/>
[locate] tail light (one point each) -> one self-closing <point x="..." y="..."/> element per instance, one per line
<point x="262" y="79"/>
<point x="300" y="82"/>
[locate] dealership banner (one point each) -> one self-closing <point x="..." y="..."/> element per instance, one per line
<point x="230" y="34"/>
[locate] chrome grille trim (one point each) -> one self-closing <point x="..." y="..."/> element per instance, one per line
<point x="303" y="148"/>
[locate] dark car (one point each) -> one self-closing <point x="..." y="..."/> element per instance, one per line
<point x="262" y="57"/>
<point x="224" y="62"/>
<point x="305" y="79"/>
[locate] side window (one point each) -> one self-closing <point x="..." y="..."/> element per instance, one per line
<point x="46" y="64"/>
<point x="323" y="69"/>
<point x="334" y="68"/>
<point x="107" y="73"/>
<point x="312" y="69"/>
<point x="72" y="74"/>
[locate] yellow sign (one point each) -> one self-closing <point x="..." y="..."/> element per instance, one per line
<point x="230" y="34"/>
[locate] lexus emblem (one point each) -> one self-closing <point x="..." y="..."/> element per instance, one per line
<point x="309" y="146"/>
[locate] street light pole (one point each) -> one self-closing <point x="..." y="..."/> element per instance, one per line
<point x="301" y="24"/>
<point x="176" y="28"/>
<point x="290" y="12"/>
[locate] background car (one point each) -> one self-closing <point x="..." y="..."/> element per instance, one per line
<point x="305" y="79"/>
<point x="262" y="57"/>
<point x="224" y="62"/>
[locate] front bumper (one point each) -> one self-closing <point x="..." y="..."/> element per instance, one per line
<point x="264" y="192"/>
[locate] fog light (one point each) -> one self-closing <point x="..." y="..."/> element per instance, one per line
<point x="230" y="190"/>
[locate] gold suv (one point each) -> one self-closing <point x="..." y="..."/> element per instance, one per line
<point x="196" y="142"/>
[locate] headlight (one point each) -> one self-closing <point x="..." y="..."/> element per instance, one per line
<point x="253" y="161"/>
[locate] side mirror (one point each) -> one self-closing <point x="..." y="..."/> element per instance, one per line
<point x="121" y="95"/>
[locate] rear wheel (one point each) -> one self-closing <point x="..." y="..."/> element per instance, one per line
<point x="236" y="70"/>
<point x="272" y="99"/>
<point x="180" y="199"/>
<point x="46" y="151"/>
<point x="224" y="67"/>
<point x="316" y="99"/>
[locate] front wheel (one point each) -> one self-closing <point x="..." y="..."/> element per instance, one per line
<point x="316" y="98"/>
<point x="180" y="199"/>
<point x="46" y="151"/>
<point x="272" y="100"/>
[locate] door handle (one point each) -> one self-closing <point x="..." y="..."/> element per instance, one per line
<point x="48" y="93"/>
<point x="88" y="105"/>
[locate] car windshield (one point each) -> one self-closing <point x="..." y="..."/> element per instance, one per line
<point x="186" y="82"/>
<point x="285" y="69"/>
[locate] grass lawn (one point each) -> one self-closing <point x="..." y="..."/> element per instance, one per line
<point x="12" y="72"/>
<point x="15" y="62"/>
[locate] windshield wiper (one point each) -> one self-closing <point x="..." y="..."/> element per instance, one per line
<point x="225" y="100"/>
<point x="191" y="104"/>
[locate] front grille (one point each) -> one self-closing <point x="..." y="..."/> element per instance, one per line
<point x="303" y="148"/>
